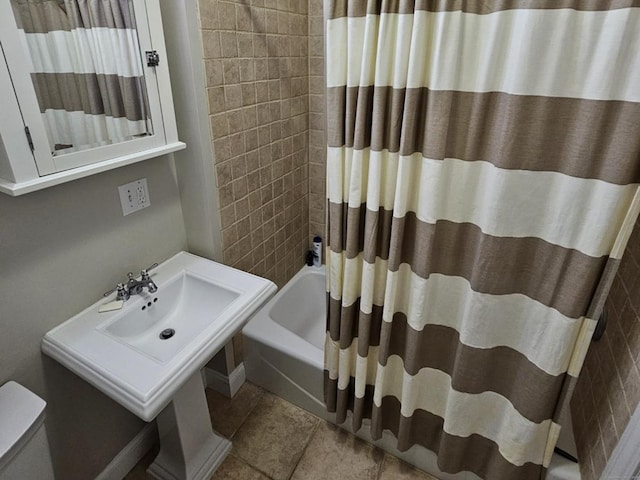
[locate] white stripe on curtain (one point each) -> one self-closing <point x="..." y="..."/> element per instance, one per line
<point x="583" y="214"/>
<point x="548" y="52"/>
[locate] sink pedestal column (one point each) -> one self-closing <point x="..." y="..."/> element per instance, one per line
<point x="189" y="449"/>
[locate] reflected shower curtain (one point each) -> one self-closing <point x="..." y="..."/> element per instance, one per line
<point x="87" y="70"/>
<point x="483" y="169"/>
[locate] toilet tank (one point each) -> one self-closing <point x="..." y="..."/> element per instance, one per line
<point x="24" y="449"/>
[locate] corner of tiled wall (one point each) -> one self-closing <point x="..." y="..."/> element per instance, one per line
<point x="257" y="68"/>
<point x="608" y="389"/>
<point x="317" y="126"/>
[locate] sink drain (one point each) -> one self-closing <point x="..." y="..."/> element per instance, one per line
<point x="167" y="333"/>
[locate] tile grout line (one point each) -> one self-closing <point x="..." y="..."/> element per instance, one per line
<point x="315" y="429"/>
<point x="247" y="415"/>
<point x="258" y="469"/>
<point x="382" y="462"/>
<point x="242" y="460"/>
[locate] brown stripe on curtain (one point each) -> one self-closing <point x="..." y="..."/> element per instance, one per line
<point x="473" y="453"/>
<point x="353" y="323"/>
<point x="109" y="14"/>
<point x="518" y="132"/>
<point x="43" y="16"/>
<point x="558" y="277"/>
<point x="602" y="292"/>
<point x="360" y="8"/>
<point x="502" y="370"/>
<point x="94" y="94"/>
<point x="339" y="401"/>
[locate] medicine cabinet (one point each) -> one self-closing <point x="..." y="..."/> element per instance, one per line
<point x="84" y="88"/>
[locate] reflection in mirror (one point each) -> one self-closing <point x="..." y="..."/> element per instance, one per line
<point x="87" y="70"/>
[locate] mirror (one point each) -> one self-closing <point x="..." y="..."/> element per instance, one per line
<point x="87" y="70"/>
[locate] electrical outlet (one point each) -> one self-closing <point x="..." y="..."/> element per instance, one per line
<point x="134" y="196"/>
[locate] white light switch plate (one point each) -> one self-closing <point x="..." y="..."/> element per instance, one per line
<point x="134" y="196"/>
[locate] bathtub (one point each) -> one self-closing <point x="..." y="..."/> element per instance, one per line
<point x="284" y="354"/>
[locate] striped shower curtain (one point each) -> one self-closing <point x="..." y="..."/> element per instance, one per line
<point x="87" y="70"/>
<point x="483" y="167"/>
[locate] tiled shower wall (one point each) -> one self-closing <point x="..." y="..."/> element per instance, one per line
<point x="317" y="122"/>
<point x="257" y="68"/>
<point x="608" y="390"/>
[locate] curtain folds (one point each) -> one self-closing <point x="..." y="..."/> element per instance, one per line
<point x="483" y="167"/>
<point x="87" y="70"/>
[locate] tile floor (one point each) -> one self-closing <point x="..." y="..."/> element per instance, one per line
<point x="273" y="439"/>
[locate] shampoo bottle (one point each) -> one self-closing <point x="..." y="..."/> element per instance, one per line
<point x="317" y="251"/>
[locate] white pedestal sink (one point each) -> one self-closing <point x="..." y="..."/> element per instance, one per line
<point x="189" y="448"/>
<point x="122" y="354"/>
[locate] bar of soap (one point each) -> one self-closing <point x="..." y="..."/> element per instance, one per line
<point x="111" y="306"/>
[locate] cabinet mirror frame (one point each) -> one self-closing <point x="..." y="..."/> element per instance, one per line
<point x="30" y="165"/>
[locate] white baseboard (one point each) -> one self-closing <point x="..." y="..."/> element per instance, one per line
<point x="130" y="455"/>
<point x="226" y="385"/>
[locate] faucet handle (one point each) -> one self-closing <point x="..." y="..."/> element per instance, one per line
<point x="146" y="278"/>
<point x="121" y="288"/>
<point x="117" y="287"/>
<point x="146" y="270"/>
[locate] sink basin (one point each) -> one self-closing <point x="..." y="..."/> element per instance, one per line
<point x="186" y="305"/>
<point x="199" y="305"/>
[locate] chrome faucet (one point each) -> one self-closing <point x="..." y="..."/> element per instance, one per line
<point x="133" y="286"/>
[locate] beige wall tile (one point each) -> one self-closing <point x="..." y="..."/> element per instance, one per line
<point x="258" y="20"/>
<point x="315" y="7"/>
<point x="208" y="11"/>
<point x="235" y="119"/>
<point x="257" y="74"/>
<point x="229" y="44"/>
<point x="247" y="70"/>
<point x="227" y="11"/>
<point x="229" y="236"/>
<point x="271" y="21"/>
<point x="211" y="44"/>
<point x="248" y="94"/>
<point x="213" y="71"/>
<point x="223" y="174"/>
<point x="243" y="18"/>
<point x="232" y="96"/>
<point x="245" y="45"/>
<point x="228" y="216"/>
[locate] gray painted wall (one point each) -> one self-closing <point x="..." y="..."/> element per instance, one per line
<point x="60" y="249"/>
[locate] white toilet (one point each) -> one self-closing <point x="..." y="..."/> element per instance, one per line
<point x="24" y="449"/>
